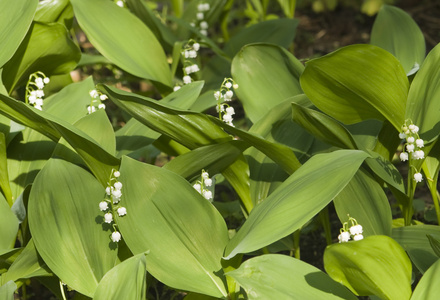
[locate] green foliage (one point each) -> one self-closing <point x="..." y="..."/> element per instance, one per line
<point x="105" y="187"/>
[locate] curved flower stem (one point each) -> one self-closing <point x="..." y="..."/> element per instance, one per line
<point x="408" y="210"/>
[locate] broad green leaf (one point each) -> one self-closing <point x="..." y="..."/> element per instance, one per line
<point x="46" y="48"/>
<point x="28" y="152"/>
<point x="435" y="244"/>
<point x="272" y="276"/>
<point x="187" y="128"/>
<point x="4" y="177"/>
<point x="8" y="225"/>
<point x="212" y="158"/>
<point x="427" y="288"/>
<point x="416" y="243"/>
<point x="163" y="33"/>
<point x="356" y="83"/>
<point x="67" y="227"/>
<point x="7" y="291"/>
<point x="364" y="199"/>
<point x="27" y="265"/>
<point x="266" y="75"/>
<point x="97" y="159"/>
<point x="304" y="191"/>
<point x="91" y="59"/>
<point x="279" y="153"/>
<point x="323" y="127"/>
<point x="136" y="50"/>
<point x="376" y="265"/>
<point x="134" y="136"/>
<point x="184" y="234"/>
<point x="125" y="281"/>
<point x="422" y="106"/>
<point x="279" y="32"/>
<point x="395" y="31"/>
<point x="7" y="258"/>
<point x="59" y="11"/>
<point x="275" y="126"/>
<point x="16" y="20"/>
<point x="98" y="127"/>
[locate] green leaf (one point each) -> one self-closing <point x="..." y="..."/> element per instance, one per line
<point x="356" y="83"/>
<point x="28" y="152"/>
<point x="17" y="18"/>
<point x="271" y="277"/>
<point x="125" y="281"/>
<point x="364" y="199"/>
<point x="376" y="265"/>
<point x="212" y="158"/>
<point x="60" y="11"/>
<point x="8" y="225"/>
<point x="435" y="244"/>
<point x="187" y="128"/>
<point x="422" y="106"/>
<point x="128" y="43"/>
<point x="277" y="216"/>
<point x="4" y="177"/>
<point x="46" y="48"/>
<point x="279" y="32"/>
<point x="275" y="126"/>
<point x="416" y="243"/>
<point x="7" y="291"/>
<point x="99" y="161"/>
<point x="163" y="33"/>
<point x="266" y="75"/>
<point x="427" y="289"/>
<point x="323" y="127"/>
<point x="395" y="31"/>
<point x="184" y="233"/>
<point x="67" y="227"/>
<point x="27" y="265"/>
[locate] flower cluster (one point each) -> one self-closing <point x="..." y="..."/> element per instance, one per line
<point x="96" y="102"/>
<point x="34" y="89"/>
<point x="202" y="184"/>
<point x="413" y="146"/>
<point x="203" y="26"/>
<point x="225" y="95"/>
<point x="113" y="194"/>
<point x="189" y="53"/>
<point x="355" y="231"/>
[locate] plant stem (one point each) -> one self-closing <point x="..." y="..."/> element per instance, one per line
<point x="408" y="210"/>
<point x="325" y="220"/>
<point x="296" y="237"/>
<point x="62" y="291"/>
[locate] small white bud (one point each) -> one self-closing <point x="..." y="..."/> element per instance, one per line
<point x="235" y="86"/>
<point x="186" y="79"/>
<point x="403" y="156"/>
<point x="204" y="32"/>
<point x="410" y="148"/>
<point x="344" y="237"/>
<point x="205" y="175"/>
<point x="230" y="110"/>
<point x="228" y="85"/>
<point x="200" y="16"/>
<point x="402" y="135"/>
<point x="93" y="93"/>
<point x="120" y="3"/>
<point x="229" y="94"/>
<point x="196" y="46"/>
<point x="118" y="185"/>
<point x="101" y="106"/>
<point x="198" y="187"/>
<point x="208" y="181"/>
<point x="116" y="236"/>
<point x="420" y="143"/>
<point x="108" y="218"/>
<point x="418" y="177"/>
<point x="103" y="205"/>
<point x="46" y="80"/>
<point x="356" y="229"/>
<point x="176" y="88"/>
<point x="116" y="174"/>
<point x="122" y="211"/>
<point x="39" y="82"/>
<point x="117" y="193"/>
<point x="204" y="25"/>
<point x="39" y="93"/>
<point x="103" y="97"/>
<point x="358" y="237"/>
<point x="108" y="191"/>
<point x="410" y="139"/>
<point x="207" y="194"/>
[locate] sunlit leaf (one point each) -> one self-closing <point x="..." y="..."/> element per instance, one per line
<point x="271" y="277"/>
<point x="376" y="265"/>
<point x="357" y="83"/>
